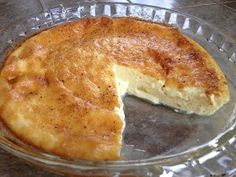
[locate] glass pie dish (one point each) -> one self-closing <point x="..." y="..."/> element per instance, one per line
<point x="170" y="142"/>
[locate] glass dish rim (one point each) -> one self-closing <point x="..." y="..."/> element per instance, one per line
<point x="191" y="153"/>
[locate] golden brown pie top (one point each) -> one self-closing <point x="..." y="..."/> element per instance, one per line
<point x="58" y="90"/>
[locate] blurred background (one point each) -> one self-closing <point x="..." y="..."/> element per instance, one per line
<point x="220" y="13"/>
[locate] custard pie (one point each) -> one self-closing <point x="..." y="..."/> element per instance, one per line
<point x="61" y="89"/>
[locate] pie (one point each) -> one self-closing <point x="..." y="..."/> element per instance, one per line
<point x="61" y="89"/>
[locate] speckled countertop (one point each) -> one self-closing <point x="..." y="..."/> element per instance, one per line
<point x="221" y="13"/>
